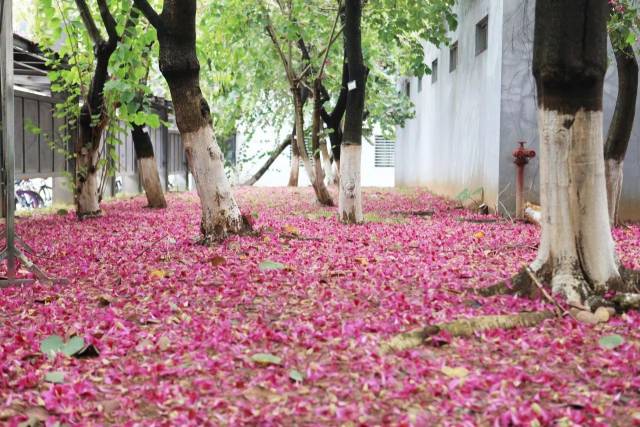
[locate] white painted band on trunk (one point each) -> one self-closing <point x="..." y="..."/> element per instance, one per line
<point x="350" y="198"/>
<point x="87" y="197"/>
<point x="151" y="183"/>
<point x="576" y="238"/>
<point x="614" y="176"/>
<point x="220" y="213"/>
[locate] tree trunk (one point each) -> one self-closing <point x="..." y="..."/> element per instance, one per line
<point x="176" y="28"/>
<point x="576" y="253"/>
<point x="272" y="158"/>
<point x="350" y="199"/>
<point x="86" y="173"/>
<point x="319" y="185"/>
<point x="322" y="194"/>
<point x="620" y="129"/>
<point x="87" y="197"/>
<point x="326" y="161"/>
<point x="295" y="161"/>
<point x="148" y="167"/>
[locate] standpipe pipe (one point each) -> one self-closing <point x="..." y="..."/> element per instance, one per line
<point x="521" y="157"/>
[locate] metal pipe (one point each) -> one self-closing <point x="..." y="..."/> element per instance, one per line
<point x="521" y="158"/>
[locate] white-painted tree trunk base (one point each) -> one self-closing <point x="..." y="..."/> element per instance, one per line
<point x="576" y="242"/>
<point x="614" y="176"/>
<point x="87" y="197"/>
<point x="350" y="198"/>
<point x="326" y="163"/>
<point x="295" y="170"/>
<point x="220" y="213"/>
<point x="148" y="169"/>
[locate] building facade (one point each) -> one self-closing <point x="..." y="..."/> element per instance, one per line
<point x="472" y="112"/>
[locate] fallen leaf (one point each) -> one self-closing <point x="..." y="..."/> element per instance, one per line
<point x="55" y="377"/>
<point x="459" y="372"/>
<point x="610" y="342"/>
<point x="296" y="376"/>
<point x="266" y="359"/>
<point x="270" y="265"/>
<point x="164" y="343"/>
<point x="218" y="260"/>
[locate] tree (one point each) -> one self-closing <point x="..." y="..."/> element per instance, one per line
<point x="176" y="31"/>
<point x="295" y="79"/>
<point x="134" y="55"/>
<point x="350" y="198"/>
<point x="103" y="86"/>
<point x="623" y="23"/>
<point x="577" y="252"/>
<point x="93" y="118"/>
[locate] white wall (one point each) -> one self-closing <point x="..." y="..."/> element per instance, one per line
<point x="267" y="139"/>
<point x="453" y="142"/>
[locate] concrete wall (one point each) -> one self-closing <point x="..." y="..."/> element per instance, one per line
<point x="452" y="144"/>
<point x="519" y="113"/>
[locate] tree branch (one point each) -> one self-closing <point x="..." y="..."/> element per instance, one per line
<point x="108" y="21"/>
<point x="149" y="13"/>
<point x="88" y="22"/>
<point x="287" y="66"/>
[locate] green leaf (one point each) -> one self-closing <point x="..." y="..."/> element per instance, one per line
<point x="610" y="342"/>
<point x="296" y="376"/>
<point x="266" y="359"/>
<point x="271" y="265"/>
<point x="73" y="346"/>
<point x="55" y="377"/>
<point x="51" y="345"/>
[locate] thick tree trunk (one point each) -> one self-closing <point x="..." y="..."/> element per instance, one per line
<point x="333" y="122"/>
<point x="621" y="126"/>
<point x="350" y="199"/>
<point x="148" y="167"/>
<point x="272" y="158"/>
<point x="176" y="28"/>
<point x="295" y="161"/>
<point x="576" y="253"/>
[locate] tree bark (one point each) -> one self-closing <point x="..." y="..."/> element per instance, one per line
<point x="148" y="167"/>
<point x="295" y="161"/>
<point x="272" y="158"/>
<point x="576" y="253"/>
<point x="176" y="28"/>
<point x="93" y="120"/>
<point x="319" y="185"/>
<point x="620" y="128"/>
<point x="350" y="198"/>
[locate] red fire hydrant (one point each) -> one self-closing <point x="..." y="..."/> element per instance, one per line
<point x="521" y="157"/>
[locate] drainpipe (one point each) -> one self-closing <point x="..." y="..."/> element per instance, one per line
<point x="521" y="157"/>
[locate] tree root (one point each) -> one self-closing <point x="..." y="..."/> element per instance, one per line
<point x="465" y="328"/>
<point x="525" y="284"/>
<point x="521" y="285"/>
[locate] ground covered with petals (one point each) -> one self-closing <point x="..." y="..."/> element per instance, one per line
<point x="284" y="327"/>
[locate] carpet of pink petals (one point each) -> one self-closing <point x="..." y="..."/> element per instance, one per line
<point x="176" y="323"/>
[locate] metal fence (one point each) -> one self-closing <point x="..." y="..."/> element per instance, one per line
<point x="40" y="140"/>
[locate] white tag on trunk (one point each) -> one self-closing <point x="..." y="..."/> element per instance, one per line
<point x="351" y="85"/>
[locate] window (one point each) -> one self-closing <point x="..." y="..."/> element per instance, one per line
<point x="453" y="57"/>
<point x="434" y="71"/>
<point x="384" y="153"/>
<point x="407" y="88"/>
<point x="419" y="84"/>
<point x="482" y="35"/>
